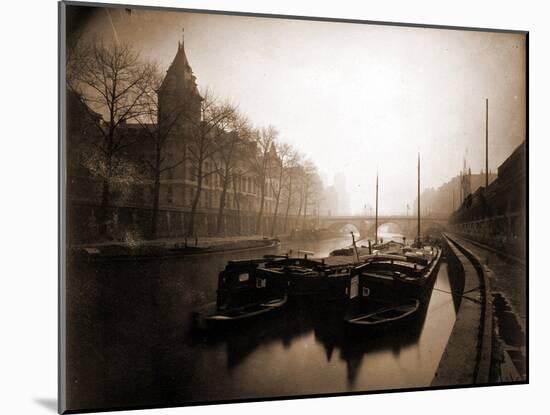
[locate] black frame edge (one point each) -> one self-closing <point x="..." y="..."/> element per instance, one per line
<point x="62" y="4"/>
<point x="290" y="17"/>
<point x="61" y="193"/>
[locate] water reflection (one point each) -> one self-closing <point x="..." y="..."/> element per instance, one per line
<point x="132" y="342"/>
<point x="312" y="329"/>
<point x="345" y="361"/>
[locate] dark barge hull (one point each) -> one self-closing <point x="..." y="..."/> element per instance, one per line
<point x="251" y="288"/>
<point x="391" y="280"/>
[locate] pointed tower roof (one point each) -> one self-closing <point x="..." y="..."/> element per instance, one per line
<point x="179" y="74"/>
<point x="181" y="58"/>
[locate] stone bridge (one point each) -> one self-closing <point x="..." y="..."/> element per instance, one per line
<point x="365" y="224"/>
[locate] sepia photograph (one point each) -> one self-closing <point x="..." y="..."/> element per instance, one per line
<point x="258" y="207"/>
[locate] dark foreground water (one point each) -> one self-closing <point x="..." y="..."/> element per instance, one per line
<point x="130" y="341"/>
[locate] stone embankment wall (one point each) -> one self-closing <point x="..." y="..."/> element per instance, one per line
<point x="496" y="216"/>
<point x="127" y="223"/>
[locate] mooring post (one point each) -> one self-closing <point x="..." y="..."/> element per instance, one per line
<point x="354" y="246"/>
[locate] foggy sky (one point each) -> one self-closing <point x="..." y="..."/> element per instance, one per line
<point x="354" y="98"/>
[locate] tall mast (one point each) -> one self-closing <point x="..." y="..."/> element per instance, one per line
<point x="376" y="213"/>
<point x="486" y="143"/>
<point x="418" y="198"/>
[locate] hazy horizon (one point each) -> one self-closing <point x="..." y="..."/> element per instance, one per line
<point x="349" y="95"/>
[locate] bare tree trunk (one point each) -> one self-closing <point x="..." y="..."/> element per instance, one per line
<point x="275" y="211"/>
<point x="156" y="196"/>
<point x="191" y="227"/>
<point x="274" y="221"/>
<point x="105" y="197"/>
<point x="155" y="215"/>
<point x="105" y="200"/>
<point x="299" y="212"/>
<point x="261" y="211"/>
<point x="238" y="204"/>
<point x="277" y="198"/>
<point x="219" y="229"/>
<point x="289" y="202"/>
<point x="305" y="206"/>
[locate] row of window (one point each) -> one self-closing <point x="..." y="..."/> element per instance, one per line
<point x="211" y="199"/>
<point x="244" y="184"/>
<point x="180" y="195"/>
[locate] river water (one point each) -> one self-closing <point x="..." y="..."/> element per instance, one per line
<point x="130" y="342"/>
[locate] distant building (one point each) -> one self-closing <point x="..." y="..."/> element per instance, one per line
<point x="445" y="199"/>
<point x="497" y="215"/>
<point x="329" y="204"/>
<point x="344" y="204"/>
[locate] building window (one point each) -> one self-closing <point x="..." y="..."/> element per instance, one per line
<point x="169" y="195"/>
<point x="139" y="194"/>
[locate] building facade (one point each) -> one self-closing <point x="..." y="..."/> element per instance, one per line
<point x="133" y="190"/>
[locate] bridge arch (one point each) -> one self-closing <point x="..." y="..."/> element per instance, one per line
<point x="407" y="225"/>
<point x="389" y="230"/>
<point x="358" y="228"/>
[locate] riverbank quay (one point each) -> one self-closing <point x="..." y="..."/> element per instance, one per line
<point x="507" y="252"/>
<point x="508" y="281"/>
<point x="467" y="356"/>
<point x="168" y="247"/>
<point x="487" y="344"/>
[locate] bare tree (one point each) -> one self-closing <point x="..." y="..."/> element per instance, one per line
<point x="265" y="139"/>
<point x="203" y="144"/>
<point x="293" y="169"/>
<point x="236" y="177"/>
<point x="229" y="156"/>
<point x="305" y="175"/>
<point x="111" y="81"/>
<point x="300" y="192"/>
<point x="311" y="187"/>
<point x="284" y="155"/>
<point x="78" y="53"/>
<point x="159" y="127"/>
